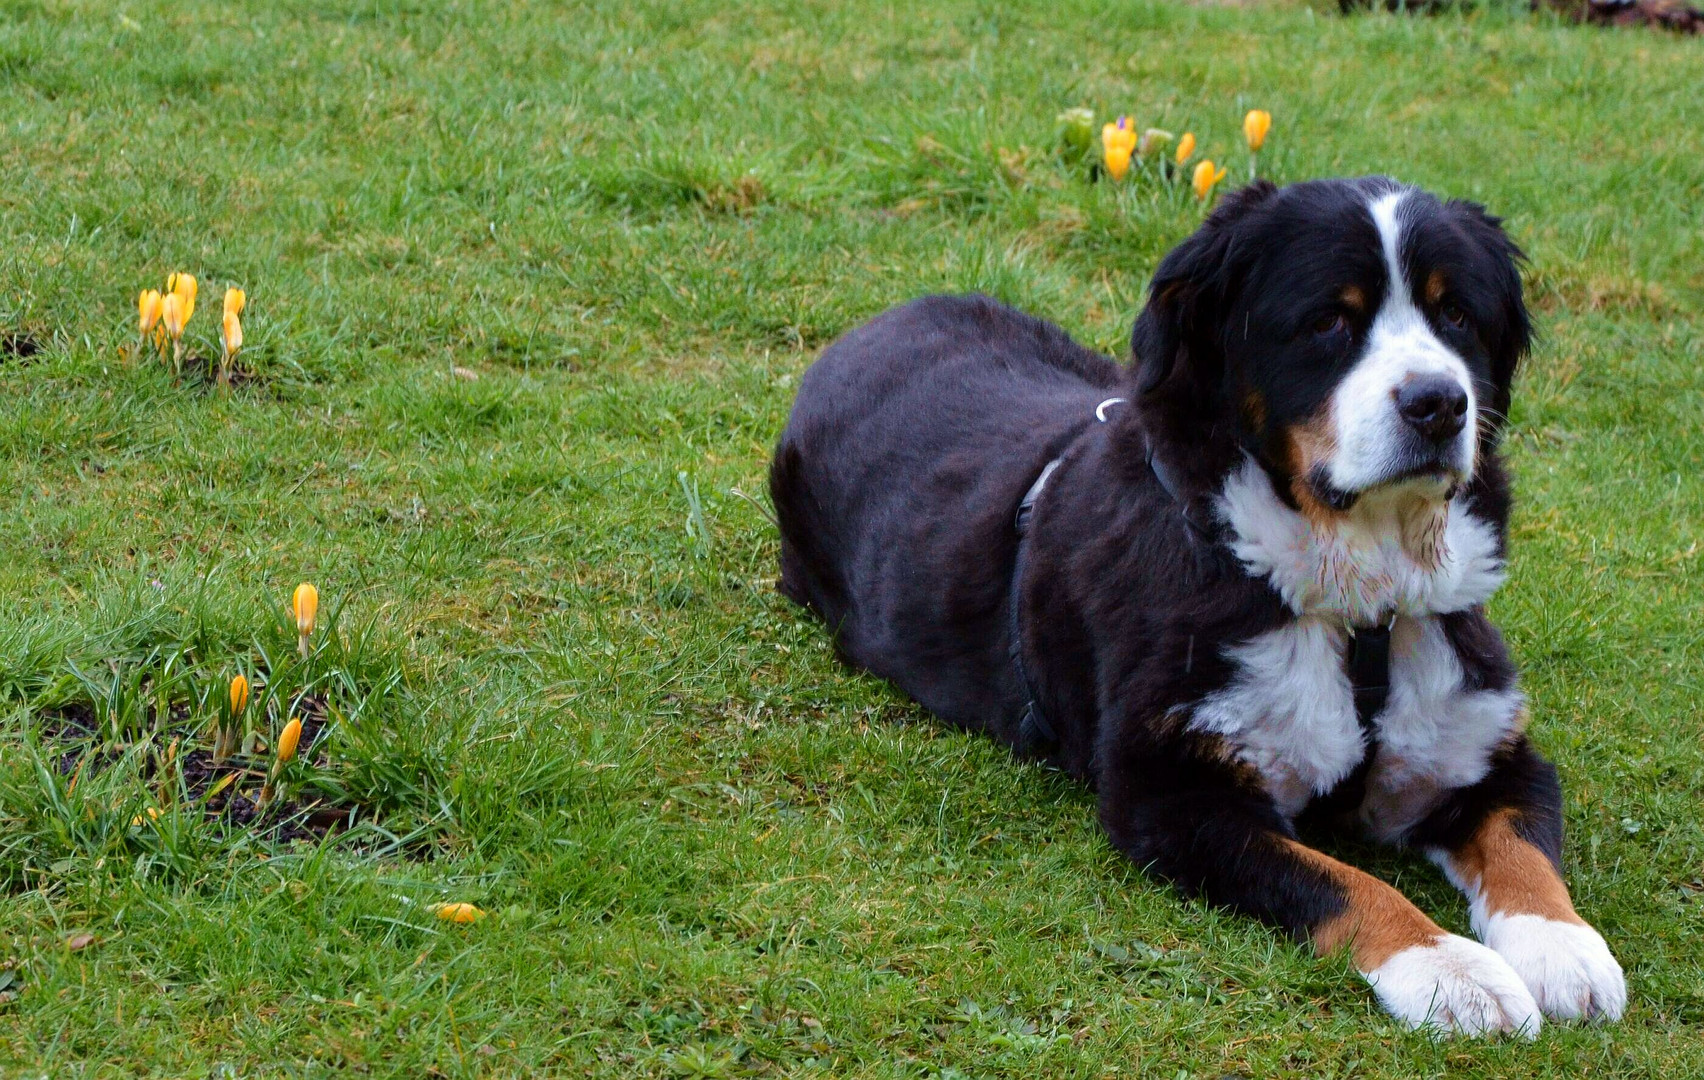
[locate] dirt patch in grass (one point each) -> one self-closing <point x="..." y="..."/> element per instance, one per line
<point x="227" y="791"/>
<point x="18" y="346"/>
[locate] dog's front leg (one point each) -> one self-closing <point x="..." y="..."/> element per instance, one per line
<point x="1232" y="847"/>
<point x="1500" y="842"/>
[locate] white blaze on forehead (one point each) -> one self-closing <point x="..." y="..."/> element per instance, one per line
<point x="1400" y="346"/>
<point x="1384" y="211"/>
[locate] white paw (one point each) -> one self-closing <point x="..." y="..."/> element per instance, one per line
<point x="1455" y="985"/>
<point x="1566" y="965"/>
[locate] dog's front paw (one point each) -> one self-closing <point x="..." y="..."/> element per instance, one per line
<point x="1455" y="985"/>
<point x="1567" y="966"/>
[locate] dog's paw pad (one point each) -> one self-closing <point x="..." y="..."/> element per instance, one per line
<point x="1455" y="985"/>
<point x="1567" y="966"/>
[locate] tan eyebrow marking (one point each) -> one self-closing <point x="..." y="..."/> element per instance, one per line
<point x="1436" y="286"/>
<point x="1354" y="299"/>
<point x="1254" y="409"/>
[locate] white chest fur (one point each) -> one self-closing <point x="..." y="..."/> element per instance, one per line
<point x="1289" y="711"/>
<point x="1361" y="570"/>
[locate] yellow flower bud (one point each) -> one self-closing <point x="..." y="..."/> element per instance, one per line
<point x="287" y="740"/>
<point x="1205" y="177"/>
<point x="462" y="913"/>
<point x="184" y="285"/>
<point x="1255" y="126"/>
<point x="173" y="315"/>
<point x="239" y="695"/>
<point x="1118" y="141"/>
<point x="1185" y="147"/>
<point x="305" y="603"/>
<point x="149" y="306"/>
<point x="234" y="301"/>
<point x="231" y="337"/>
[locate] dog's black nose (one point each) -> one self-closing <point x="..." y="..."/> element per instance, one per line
<point x="1433" y="405"/>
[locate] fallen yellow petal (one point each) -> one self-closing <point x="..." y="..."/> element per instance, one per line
<point x="462" y="913"/>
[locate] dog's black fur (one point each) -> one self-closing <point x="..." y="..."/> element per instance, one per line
<point x="915" y="436"/>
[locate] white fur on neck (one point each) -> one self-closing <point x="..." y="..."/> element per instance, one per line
<point x="1358" y="569"/>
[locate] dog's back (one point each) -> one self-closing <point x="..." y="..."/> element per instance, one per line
<point x="911" y="442"/>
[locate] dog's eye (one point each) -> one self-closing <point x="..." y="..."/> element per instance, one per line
<point x="1331" y="324"/>
<point x="1453" y="314"/>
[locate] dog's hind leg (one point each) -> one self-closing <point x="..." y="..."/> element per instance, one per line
<point x="1232" y="847"/>
<point x="1500" y="841"/>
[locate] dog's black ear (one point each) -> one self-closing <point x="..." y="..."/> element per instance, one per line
<point x="1509" y="335"/>
<point x="1187" y="290"/>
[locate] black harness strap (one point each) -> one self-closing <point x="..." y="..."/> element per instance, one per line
<point x="1035" y="734"/>
<point x="1366" y="660"/>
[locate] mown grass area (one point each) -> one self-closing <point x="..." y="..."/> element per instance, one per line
<point x="566" y="686"/>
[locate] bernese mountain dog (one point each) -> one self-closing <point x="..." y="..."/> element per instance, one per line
<point x="1236" y="586"/>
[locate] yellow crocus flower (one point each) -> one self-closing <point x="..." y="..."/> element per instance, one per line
<point x="1185" y="147"/>
<point x="231" y="336"/>
<point x="149" y="307"/>
<point x="1255" y="126"/>
<point x="225" y="735"/>
<point x="184" y="285"/>
<point x="1118" y="142"/>
<point x="305" y="603"/>
<point x="173" y="315"/>
<point x="1205" y="177"/>
<point x="287" y="740"/>
<point x="234" y="301"/>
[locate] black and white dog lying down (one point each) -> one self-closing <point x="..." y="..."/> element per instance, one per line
<point x="1240" y="582"/>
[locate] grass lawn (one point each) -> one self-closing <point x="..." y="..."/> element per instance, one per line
<point x="557" y="676"/>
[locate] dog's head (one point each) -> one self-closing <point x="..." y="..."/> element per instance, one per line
<point x="1353" y="335"/>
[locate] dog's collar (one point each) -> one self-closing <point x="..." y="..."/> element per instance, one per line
<point x="1164" y="476"/>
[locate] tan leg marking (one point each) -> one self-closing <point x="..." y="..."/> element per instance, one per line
<point x="1378" y="921"/>
<point x="1514" y="877"/>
